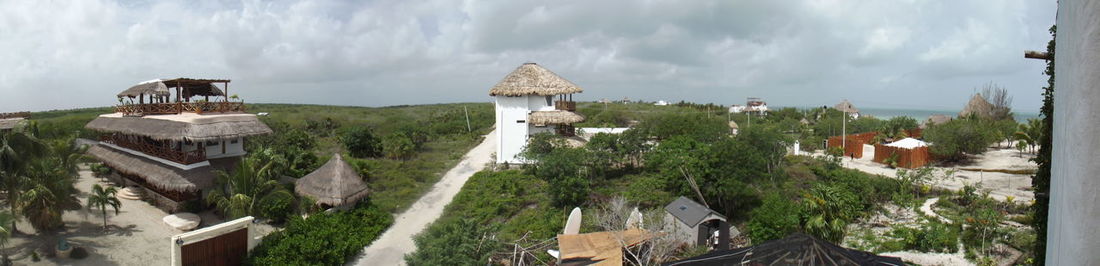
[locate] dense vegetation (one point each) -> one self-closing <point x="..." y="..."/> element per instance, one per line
<point x="322" y="239"/>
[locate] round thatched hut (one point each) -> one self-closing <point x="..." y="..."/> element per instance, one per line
<point x="335" y="184"/>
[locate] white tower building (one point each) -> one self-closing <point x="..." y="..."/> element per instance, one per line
<point x="526" y="105"/>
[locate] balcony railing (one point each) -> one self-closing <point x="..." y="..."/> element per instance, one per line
<point x="566" y="106"/>
<point x="159" y="151"/>
<point x="176" y="108"/>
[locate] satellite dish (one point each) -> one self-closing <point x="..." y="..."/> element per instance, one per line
<point x="573" y="224"/>
<point x="635" y="219"/>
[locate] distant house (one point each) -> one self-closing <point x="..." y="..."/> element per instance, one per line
<point x="756" y="105"/>
<point x="661" y="103"/>
<point x="695" y="223"/>
<point x="9" y="121"/>
<point x="526" y="105"/>
<point x="737" y="109"/>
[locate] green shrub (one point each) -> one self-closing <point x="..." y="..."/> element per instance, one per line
<point x="398" y="146"/>
<point x="362" y="143"/>
<point x="774" y="219"/>
<point x="455" y="242"/>
<point x="322" y="239"/>
<point x="930" y="237"/>
<point x="278" y="209"/>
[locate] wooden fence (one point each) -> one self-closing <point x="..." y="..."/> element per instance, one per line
<point x="854" y="147"/>
<point x="907" y="158"/>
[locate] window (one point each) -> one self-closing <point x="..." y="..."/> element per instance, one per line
<point x="212" y="143"/>
<point x="234" y="141"/>
<point x="549" y="100"/>
<point x="521" y="121"/>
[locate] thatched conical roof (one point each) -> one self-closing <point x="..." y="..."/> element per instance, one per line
<point x="846" y="106"/>
<point x="335" y="183"/>
<point x="556" y="117"/>
<point x="532" y="79"/>
<point x="152" y="87"/>
<point x="977" y="106"/>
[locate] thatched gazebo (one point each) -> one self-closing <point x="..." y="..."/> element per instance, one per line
<point x="334" y="184"/>
<point x="847" y="107"/>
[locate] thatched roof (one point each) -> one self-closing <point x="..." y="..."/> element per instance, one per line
<point x="556" y="117"/>
<point x="152" y="87"/>
<point x="335" y="183"/>
<point x="190" y="87"/>
<point x="846" y="106"/>
<point x="935" y="120"/>
<point x="157" y="174"/>
<point x="10" y="123"/>
<point x="532" y="79"/>
<point x="977" y="106"/>
<point x="185" y="126"/>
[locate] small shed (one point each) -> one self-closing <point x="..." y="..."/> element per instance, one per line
<point x="696" y="223"/>
<point x="334" y="184"/>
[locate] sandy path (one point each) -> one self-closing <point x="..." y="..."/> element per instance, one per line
<point x="926" y="208"/>
<point x="391" y="247"/>
<point x="1001" y="185"/>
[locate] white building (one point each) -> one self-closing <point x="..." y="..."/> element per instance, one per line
<point x="526" y="105"/>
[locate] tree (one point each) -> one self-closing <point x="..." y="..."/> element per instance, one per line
<point x="457" y="242"/>
<point x="958" y="137"/>
<point x="398" y="146"/>
<point x="361" y="143"/>
<point x="48" y="192"/>
<point x="17" y="150"/>
<point x="998" y="97"/>
<point x="692" y="125"/>
<point x="248" y="189"/>
<point x="567" y="172"/>
<point x="6" y="219"/>
<point x="828" y="210"/>
<point x="1040" y="183"/>
<point x="776" y="218"/>
<point x="102" y="198"/>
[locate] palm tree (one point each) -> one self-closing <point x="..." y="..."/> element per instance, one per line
<point x="6" y="218"/>
<point x="17" y="149"/>
<point x="101" y="198"/>
<point x="49" y="192"/>
<point x="247" y="189"/>
<point x="828" y="213"/>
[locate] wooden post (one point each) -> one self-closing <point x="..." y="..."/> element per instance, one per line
<point x="468" y="128"/>
<point x="226" y="92"/>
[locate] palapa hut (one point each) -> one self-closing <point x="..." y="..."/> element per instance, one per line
<point x="526" y="105"/>
<point x="977" y="106"/>
<point x="847" y="107"/>
<point x="162" y="139"/>
<point x="935" y="120"/>
<point x="334" y="184"/>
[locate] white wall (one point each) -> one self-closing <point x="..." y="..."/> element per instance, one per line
<point x="512" y="135"/>
<point x="1073" y="235"/>
<point x="538" y="103"/>
<point x="212" y="232"/>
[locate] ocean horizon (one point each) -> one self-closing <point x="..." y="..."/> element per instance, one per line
<point x="922" y="114"/>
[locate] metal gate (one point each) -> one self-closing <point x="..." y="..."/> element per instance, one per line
<point x="227" y="249"/>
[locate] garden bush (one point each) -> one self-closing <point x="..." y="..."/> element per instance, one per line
<point x="774" y="219"/>
<point x="322" y="239"/>
<point x="362" y="143"/>
<point x="930" y="237"/>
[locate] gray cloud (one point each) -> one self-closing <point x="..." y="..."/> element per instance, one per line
<point x="903" y="54"/>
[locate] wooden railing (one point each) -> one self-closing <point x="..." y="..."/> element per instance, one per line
<point x="15" y="115"/>
<point x="159" y="151"/>
<point x="565" y="106"/>
<point x="176" y="108"/>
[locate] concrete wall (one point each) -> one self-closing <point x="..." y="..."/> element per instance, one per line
<point x="1073" y="235"/>
<point x="511" y="115"/>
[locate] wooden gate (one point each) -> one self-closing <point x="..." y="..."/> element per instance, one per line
<point x="227" y="249"/>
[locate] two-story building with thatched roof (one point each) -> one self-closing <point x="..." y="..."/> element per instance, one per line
<point x="9" y="121"/>
<point x="532" y="100"/>
<point x="169" y="137"/>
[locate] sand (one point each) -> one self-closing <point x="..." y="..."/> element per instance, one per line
<point x="391" y="247"/>
<point x="1001" y="185"/>
<point x="136" y="236"/>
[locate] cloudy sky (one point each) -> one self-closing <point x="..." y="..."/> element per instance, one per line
<point x="878" y="54"/>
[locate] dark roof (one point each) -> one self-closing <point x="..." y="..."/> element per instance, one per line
<point x="795" y="249"/>
<point x="689" y="212"/>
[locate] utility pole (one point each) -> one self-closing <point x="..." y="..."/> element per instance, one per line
<point x="467" y="112"/>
